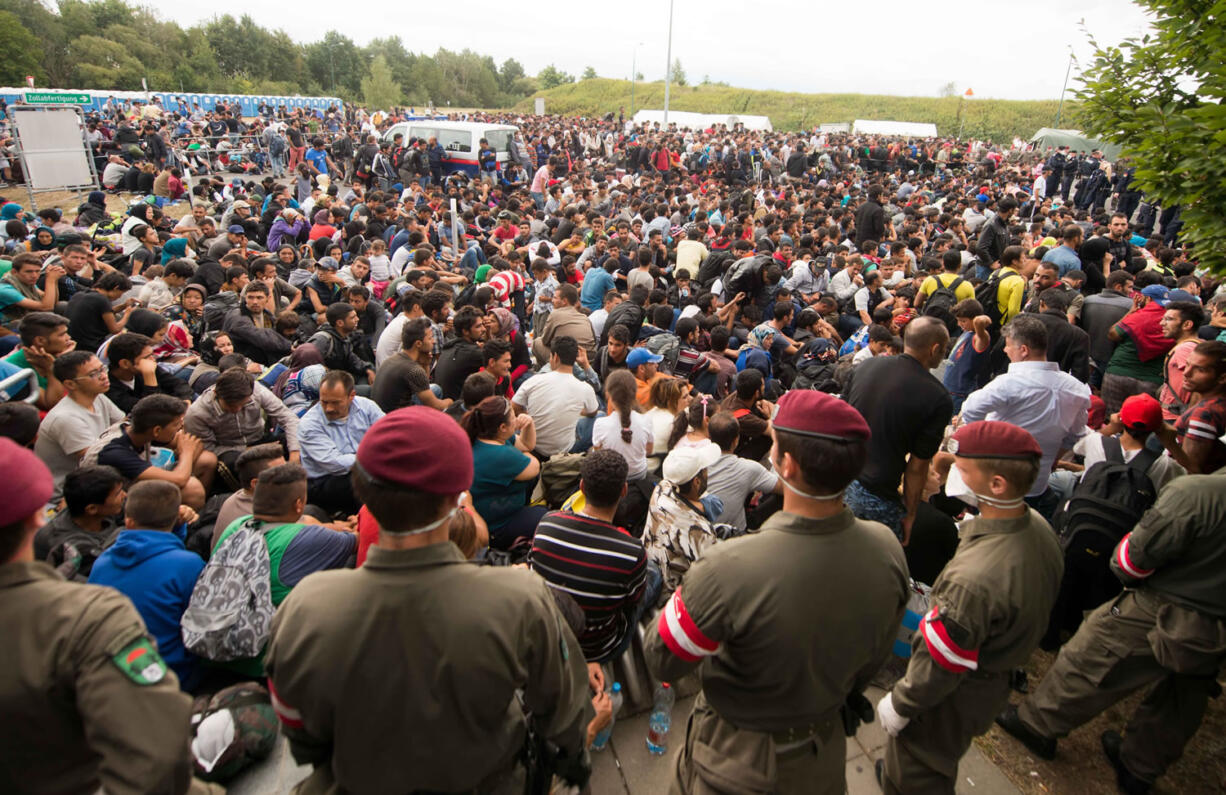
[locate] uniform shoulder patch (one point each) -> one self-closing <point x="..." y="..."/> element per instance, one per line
<point x="140" y="662"/>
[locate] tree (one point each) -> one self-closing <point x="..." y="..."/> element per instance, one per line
<point x="509" y="74"/>
<point x="678" y="72"/>
<point x="379" y="89"/>
<point x="24" y="54"/>
<point x="551" y="76"/>
<point x="589" y="74"/>
<point x="639" y="76"/>
<point x="1159" y="97"/>
<point x="950" y="89"/>
<point x="101" y="63"/>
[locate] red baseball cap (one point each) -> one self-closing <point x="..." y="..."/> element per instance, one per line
<point x="1141" y="412"/>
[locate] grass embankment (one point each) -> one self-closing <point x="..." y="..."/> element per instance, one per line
<point x="996" y="119"/>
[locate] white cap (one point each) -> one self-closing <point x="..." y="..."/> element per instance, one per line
<point x="684" y="463"/>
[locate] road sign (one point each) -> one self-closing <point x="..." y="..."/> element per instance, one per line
<point x="52" y="98"/>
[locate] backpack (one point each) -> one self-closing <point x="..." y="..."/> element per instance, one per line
<point x="232" y="730"/>
<point x="941" y="303"/>
<point x="560" y="477"/>
<point x="668" y="346"/>
<point x="1111" y="496"/>
<point x="276" y="145"/>
<point x="230" y="613"/>
<point x="988" y="295"/>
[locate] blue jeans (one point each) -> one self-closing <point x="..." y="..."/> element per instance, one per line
<point x="873" y="508"/>
<point x="473" y="258"/>
<point x="1045" y="503"/>
<point x="539" y="198"/>
<point x="435" y="389"/>
<point x="583" y="433"/>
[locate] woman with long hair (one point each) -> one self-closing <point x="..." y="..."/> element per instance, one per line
<point x="504" y="471"/>
<point x="690" y="426"/>
<point x="624" y="430"/>
<point x="668" y="399"/>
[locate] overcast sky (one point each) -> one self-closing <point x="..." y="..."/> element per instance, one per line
<point x="998" y="49"/>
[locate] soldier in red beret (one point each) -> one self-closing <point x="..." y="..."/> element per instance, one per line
<point x="988" y="611"/>
<point x="744" y="613"/>
<point x="401" y="676"/>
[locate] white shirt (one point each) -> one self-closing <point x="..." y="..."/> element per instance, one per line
<point x="597" y="319"/>
<point x="389" y="340"/>
<point x="555" y="401"/>
<point x="607" y="434"/>
<point x="69" y="428"/>
<point x="1038" y="397"/>
<point x="1162" y="471"/>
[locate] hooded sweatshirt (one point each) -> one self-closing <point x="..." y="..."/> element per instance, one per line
<point x="155" y="571"/>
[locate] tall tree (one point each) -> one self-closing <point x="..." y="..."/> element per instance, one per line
<point x="379" y="88"/>
<point x="589" y="73"/>
<point x="24" y="55"/>
<point x="1160" y="98"/>
<point x="678" y="72"/>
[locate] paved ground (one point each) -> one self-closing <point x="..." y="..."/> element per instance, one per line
<point x="626" y="767"/>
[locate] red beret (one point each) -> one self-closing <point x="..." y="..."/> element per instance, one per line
<point x="822" y="416"/>
<point x="994" y="439"/>
<point x="27" y="482"/>
<point x="418" y="448"/>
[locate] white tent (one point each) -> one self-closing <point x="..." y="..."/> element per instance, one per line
<point x="701" y="121"/>
<point x="900" y="128"/>
<point x="834" y="127"/>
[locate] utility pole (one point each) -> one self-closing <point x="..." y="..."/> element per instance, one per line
<point x="668" y="69"/>
<point x="1067" y="72"/>
<point x="634" y="73"/>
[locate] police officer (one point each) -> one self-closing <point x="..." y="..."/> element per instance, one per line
<point x="1072" y="164"/>
<point x="1055" y="163"/>
<point x="988" y="611"/>
<point x="1166" y="632"/>
<point x="88" y="703"/>
<point x="402" y="676"/>
<point x="787" y="624"/>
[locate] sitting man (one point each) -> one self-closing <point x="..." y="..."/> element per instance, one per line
<point x="76" y="536"/>
<point x="294" y="549"/>
<point x="680" y="521"/>
<point x="565" y="320"/>
<point x="331" y="431"/>
<point x="252" y="328"/>
<point x="336" y="346"/>
<point x="149" y="564"/>
<point x="233" y="414"/>
<point x="732" y="478"/>
<point x="251" y="462"/>
<point x="601" y="566"/>
<point x="403" y="379"/>
<point x="134" y="372"/>
<point x="157" y="419"/>
<point x="753" y="414"/>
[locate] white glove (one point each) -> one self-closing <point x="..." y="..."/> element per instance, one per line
<point x="891" y="721"/>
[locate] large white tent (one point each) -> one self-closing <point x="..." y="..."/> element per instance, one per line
<point x="702" y="121"/>
<point x="910" y="129"/>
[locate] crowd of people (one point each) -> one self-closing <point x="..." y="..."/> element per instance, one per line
<point x="648" y="387"/>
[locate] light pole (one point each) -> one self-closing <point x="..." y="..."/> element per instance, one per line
<point x="668" y="68"/>
<point x="1067" y="72"/>
<point x="634" y="73"/>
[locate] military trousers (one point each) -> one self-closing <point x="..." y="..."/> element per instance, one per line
<point x="924" y="757"/>
<point x="1111" y="656"/>
<point x="719" y="758"/>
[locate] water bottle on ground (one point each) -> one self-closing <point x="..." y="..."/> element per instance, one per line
<point x="661" y="720"/>
<point x="602" y="737"/>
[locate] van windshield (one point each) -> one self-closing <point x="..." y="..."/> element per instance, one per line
<point x="500" y="140"/>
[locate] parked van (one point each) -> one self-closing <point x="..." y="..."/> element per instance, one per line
<point x="461" y="140"/>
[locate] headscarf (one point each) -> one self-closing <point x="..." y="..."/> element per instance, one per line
<point x="302" y="357"/>
<point x="10" y="211"/>
<point x="141" y="211"/>
<point x="37" y="246"/>
<point x="174" y="248"/>
<point x="760" y="334"/>
<point x="145" y="321"/>
<point x="96" y="197"/>
<point x="507" y="322"/>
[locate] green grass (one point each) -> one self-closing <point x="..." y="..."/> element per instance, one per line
<point x="995" y="119"/>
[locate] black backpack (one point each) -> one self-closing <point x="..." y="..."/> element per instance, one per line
<point x="941" y="303"/>
<point x="1110" y="497"/>
<point x="988" y="295"/>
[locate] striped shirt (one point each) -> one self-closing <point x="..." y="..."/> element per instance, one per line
<point x="601" y="566"/>
<point x="505" y="284"/>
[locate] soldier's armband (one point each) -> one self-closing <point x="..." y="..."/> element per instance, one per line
<point x="942" y="648"/>
<point x="288" y="716"/>
<point x="681" y="635"/>
<point x="1123" y="559"/>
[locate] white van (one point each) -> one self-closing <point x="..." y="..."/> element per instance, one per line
<point x="461" y="140"/>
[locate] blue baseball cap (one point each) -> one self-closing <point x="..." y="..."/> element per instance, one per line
<point x="1158" y="294"/>
<point x="641" y="356"/>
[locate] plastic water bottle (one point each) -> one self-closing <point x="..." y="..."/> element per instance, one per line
<point x="661" y="720"/>
<point x="602" y="738"/>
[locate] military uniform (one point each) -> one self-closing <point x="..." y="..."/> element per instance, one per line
<point x="784" y="624"/>
<point x="88" y="703"/>
<point x="1167" y="630"/>
<point x="402" y="676"/>
<point x="988" y="611"/>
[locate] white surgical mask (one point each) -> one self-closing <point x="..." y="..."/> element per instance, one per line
<point x="957" y="488"/>
<point x="427" y="528"/>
